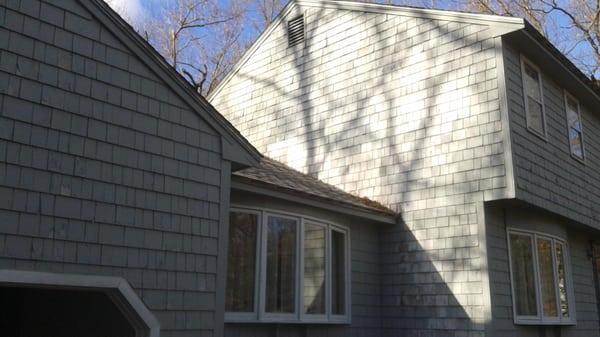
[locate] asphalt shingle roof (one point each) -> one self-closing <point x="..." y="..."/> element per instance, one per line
<point x="278" y="175"/>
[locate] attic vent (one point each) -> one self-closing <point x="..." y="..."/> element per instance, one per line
<point x="296" y="31"/>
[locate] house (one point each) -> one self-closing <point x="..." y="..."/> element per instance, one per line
<point x="421" y="173"/>
<point x="118" y="185"/>
<point x="473" y="127"/>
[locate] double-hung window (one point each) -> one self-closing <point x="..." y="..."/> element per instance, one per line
<point x="574" y="126"/>
<point x="541" y="284"/>
<point x="533" y="98"/>
<point x="286" y="268"/>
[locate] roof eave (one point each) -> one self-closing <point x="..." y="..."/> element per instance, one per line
<point x="275" y="191"/>
<point x="548" y="56"/>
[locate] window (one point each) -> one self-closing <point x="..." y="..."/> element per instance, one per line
<point x="574" y="126"/>
<point x="286" y="268"/>
<point x="533" y="98"/>
<point x="541" y="286"/>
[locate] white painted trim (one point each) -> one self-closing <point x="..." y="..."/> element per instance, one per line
<point x="117" y="288"/>
<point x="446" y="15"/>
<point x="505" y="119"/>
<point x="565" y="97"/>
<point x="544" y="135"/>
<point x="245" y="316"/>
<point x="540" y="318"/>
<point x="260" y="315"/>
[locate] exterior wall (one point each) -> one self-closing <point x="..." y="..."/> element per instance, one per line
<point x="364" y="277"/>
<point x="103" y="169"/>
<point x="545" y="173"/>
<point x="403" y="110"/>
<point x="500" y="216"/>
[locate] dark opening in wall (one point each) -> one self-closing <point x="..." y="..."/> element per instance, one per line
<point x="33" y="312"/>
<point x="296" y="31"/>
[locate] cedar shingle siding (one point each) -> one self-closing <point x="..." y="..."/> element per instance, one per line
<point x="103" y="168"/>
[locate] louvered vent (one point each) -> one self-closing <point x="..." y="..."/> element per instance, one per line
<point x="296" y="31"/>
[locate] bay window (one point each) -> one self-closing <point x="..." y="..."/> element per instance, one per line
<point x="540" y="278"/>
<point x="286" y="268"/>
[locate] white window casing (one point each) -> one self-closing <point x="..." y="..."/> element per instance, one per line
<point x="259" y="313"/>
<point x="533" y="98"/>
<point x="574" y="126"/>
<point x="566" y="317"/>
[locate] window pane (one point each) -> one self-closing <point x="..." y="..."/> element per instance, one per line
<point x="338" y="273"/>
<point x="562" y="280"/>
<point x="281" y="265"/>
<point x="573" y="114"/>
<point x="576" y="142"/>
<point x="535" y="117"/>
<point x="523" y="274"/>
<point x="314" y="269"/>
<point x="241" y="262"/>
<point x="547" y="282"/>
<point x="532" y="83"/>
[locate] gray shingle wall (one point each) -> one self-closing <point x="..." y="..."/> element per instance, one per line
<point x="103" y="169"/>
<point x="498" y="217"/>
<point x="403" y="110"/>
<point x="365" y="287"/>
<point x="545" y="173"/>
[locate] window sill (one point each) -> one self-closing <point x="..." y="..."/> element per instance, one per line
<point x="537" y="133"/>
<point x="317" y="321"/>
<point x="543" y="323"/>
<point x="581" y="160"/>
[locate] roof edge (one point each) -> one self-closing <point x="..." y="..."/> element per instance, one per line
<point x="440" y="14"/>
<point x="174" y="80"/>
<point x="259" y="187"/>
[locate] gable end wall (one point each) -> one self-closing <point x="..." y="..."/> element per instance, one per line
<point x="402" y="110"/>
<point x="104" y="170"/>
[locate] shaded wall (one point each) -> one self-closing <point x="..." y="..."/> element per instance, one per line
<point x="103" y="169"/>
<point x="546" y="174"/>
<point x="498" y="217"/>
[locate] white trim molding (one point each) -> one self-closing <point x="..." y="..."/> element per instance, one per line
<point x="544" y="134"/>
<point x="568" y="96"/>
<point x="259" y="314"/>
<point x="117" y="288"/>
<point x="540" y="318"/>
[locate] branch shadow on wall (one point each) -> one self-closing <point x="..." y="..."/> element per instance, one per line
<point x="421" y="290"/>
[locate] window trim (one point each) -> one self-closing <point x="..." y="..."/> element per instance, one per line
<point x="242" y="316"/>
<point x="298" y="317"/>
<point x="544" y="135"/>
<point x="565" y="97"/>
<point x="540" y="319"/>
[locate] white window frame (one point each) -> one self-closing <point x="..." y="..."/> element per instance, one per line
<point x="260" y="315"/>
<point x="524" y="61"/>
<point x="566" y="96"/>
<point x="540" y="318"/>
<point x="242" y="316"/>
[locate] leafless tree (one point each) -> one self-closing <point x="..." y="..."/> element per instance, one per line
<point x="266" y="12"/>
<point x="573" y="26"/>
